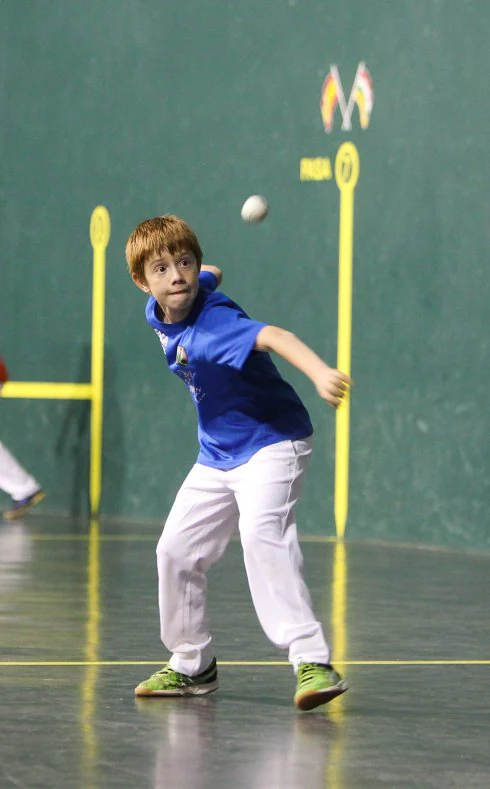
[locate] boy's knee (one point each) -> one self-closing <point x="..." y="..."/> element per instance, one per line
<point x="248" y="537"/>
<point x="256" y="537"/>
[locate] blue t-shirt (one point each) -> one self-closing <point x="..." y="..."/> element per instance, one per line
<point x="242" y="402"/>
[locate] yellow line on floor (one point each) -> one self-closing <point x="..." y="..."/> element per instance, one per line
<point x="130" y="537"/>
<point x="8" y="663"/>
<point x="102" y="537"/>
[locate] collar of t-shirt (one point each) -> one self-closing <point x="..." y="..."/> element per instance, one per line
<point x="207" y="281"/>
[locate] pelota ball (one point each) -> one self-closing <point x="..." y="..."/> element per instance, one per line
<point x="255" y="209"/>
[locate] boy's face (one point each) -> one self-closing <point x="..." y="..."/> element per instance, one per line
<point x="173" y="280"/>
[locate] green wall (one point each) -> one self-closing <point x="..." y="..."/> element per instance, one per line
<point x="149" y="107"/>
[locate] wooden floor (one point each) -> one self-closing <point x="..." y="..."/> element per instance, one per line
<point x="79" y="629"/>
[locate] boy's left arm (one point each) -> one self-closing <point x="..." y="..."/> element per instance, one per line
<point x="331" y="384"/>
<point x="214" y="270"/>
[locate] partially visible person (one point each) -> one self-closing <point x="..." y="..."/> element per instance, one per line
<point x="24" y="489"/>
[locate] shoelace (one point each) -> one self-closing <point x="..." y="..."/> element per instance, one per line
<point x="172" y="677"/>
<point x="307" y="671"/>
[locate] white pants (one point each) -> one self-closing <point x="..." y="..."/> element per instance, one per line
<point x="258" y="497"/>
<point x="14" y="479"/>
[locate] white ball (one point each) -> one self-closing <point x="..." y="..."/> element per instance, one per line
<point x="255" y="209"/>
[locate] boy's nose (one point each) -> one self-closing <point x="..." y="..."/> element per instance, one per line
<point x="177" y="275"/>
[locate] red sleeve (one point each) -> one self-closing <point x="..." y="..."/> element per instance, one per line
<point x="4" y="376"/>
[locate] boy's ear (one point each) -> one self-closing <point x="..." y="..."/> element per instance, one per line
<point x="140" y="284"/>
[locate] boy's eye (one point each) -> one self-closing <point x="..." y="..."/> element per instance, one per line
<point x="184" y="262"/>
<point x="161" y="268"/>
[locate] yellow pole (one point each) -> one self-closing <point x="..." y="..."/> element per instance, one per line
<point x="346" y="176"/>
<point x="100" y="230"/>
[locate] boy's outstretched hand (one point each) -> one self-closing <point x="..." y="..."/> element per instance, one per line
<point x="333" y="385"/>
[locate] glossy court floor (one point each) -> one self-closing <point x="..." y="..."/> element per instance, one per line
<point x="78" y="630"/>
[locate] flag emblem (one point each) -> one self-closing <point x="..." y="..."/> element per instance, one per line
<point x="182" y="355"/>
<point x="362" y="94"/>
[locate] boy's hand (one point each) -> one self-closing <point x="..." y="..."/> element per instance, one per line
<point x="333" y="385"/>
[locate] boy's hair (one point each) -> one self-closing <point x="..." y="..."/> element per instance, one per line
<point x="161" y="234"/>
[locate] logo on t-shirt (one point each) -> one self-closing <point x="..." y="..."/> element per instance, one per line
<point x="189" y="378"/>
<point x="182" y="355"/>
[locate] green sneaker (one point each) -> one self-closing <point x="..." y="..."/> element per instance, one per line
<point x="317" y="684"/>
<point x="168" y="682"/>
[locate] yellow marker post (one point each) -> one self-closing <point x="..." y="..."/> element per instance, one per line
<point x="347" y="168"/>
<point x="100" y="231"/>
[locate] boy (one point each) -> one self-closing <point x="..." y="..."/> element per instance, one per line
<point x="255" y="441"/>
<point x="15" y="480"/>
